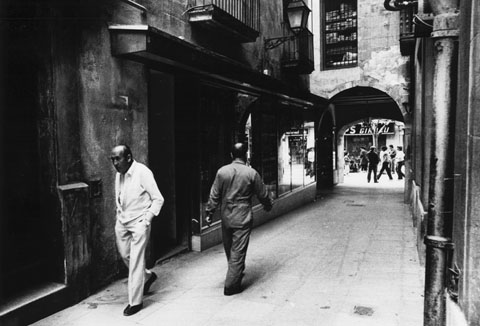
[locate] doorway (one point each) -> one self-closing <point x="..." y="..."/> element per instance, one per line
<point x="169" y="231"/>
<point x="31" y="246"/>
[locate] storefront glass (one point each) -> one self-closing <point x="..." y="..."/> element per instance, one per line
<point x="296" y="157"/>
<point x="281" y="143"/>
<point x="216" y="137"/>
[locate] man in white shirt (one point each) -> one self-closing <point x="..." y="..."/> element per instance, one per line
<point x="385" y="161"/>
<point x="400" y="162"/>
<point x="138" y="200"/>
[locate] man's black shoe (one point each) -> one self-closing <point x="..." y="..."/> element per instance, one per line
<point x="149" y="283"/>
<point x="232" y="291"/>
<point x="131" y="310"/>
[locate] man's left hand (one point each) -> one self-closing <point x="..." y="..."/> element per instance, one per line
<point x="148" y="217"/>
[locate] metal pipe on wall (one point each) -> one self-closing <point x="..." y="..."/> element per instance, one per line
<point x="440" y="206"/>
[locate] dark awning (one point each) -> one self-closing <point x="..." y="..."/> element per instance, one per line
<point x="143" y="43"/>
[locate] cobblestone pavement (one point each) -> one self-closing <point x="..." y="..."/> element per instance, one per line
<point x="348" y="258"/>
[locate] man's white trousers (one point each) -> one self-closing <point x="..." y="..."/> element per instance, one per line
<point x="132" y="239"/>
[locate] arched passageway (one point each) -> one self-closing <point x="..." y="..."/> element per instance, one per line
<point x="359" y="103"/>
<point x="369" y="116"/>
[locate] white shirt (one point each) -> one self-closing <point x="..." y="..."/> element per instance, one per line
<point x="311" y="156"/>
<point x="136" y="193"/>
<point x="400" y="156"/>
<point x="384" y="156"/>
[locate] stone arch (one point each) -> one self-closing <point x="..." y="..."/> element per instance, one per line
<point x="358" y="102"/>
<point x="398" y="93"/>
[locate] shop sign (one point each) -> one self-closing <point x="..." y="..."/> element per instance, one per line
<point x="296" y="132"/>
<point x="380" y="128"/>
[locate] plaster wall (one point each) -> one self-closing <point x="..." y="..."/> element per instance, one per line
<point x="102" y="101"/>
<point x="380" y="63"/>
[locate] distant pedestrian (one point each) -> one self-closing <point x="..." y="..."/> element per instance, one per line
<point x="400" y="162"/>
<point x="373" y="160"/>
<point x="363" y="159"/>
<point x="385" y="161"/>
<point x="233" y="189"/>
<point x="310" y="171"/>
<point x="138" y="200"/>
<point x="346" y="164"/>
<point x="392" y="153"/>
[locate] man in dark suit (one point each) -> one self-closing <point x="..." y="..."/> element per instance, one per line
<point x="373" y="160"/>
<point x="233" y="189"/>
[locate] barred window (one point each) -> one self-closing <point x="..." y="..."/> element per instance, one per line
<point x="340" y="32"/>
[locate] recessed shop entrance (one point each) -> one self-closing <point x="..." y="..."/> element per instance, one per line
<point x="169" y="230"/>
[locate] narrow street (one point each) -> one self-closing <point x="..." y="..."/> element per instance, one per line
<point x="347" y="259"/>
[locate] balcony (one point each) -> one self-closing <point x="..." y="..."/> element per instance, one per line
<point x="235" y="19"/>
<point x="298" y="53"/>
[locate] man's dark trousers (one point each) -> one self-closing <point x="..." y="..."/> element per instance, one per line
<point x="399" y="170"/>
<point x="372" y="168"/>
<point x="385" y="167"/>
<point x="235" y="243"/>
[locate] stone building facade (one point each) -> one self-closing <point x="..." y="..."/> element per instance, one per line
<point x="376" y="85"/>
<point x="81" y="77"/>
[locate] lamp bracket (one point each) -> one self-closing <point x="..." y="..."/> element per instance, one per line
<point x="271" y="43"/>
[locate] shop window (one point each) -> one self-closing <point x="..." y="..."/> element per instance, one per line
<point x="216" y="133"/>
<point x="340" y="34"/>
<point x="296" y="157"/>
<point x="282" y="149"/>
<point x="264" y="148"/>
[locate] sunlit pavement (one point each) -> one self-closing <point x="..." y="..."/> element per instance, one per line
<point x="347" y="259"/>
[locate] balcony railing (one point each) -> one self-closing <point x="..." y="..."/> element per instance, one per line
<point x="237" y="18"/>
<point x="298" y="53"/>
<point x="407" y="29"/>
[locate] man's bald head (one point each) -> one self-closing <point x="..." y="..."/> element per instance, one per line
<point x="239" y="150"/>
<point x="124" y="150"/>
<point x="121" y="158"/>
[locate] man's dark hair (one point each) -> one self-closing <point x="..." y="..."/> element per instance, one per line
<point x="239" y="150"/>
<point x="384" y="148"/>
<point x="400" y="147"/>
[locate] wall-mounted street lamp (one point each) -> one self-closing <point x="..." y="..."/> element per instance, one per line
<point x="397" y="5"/>
<point x="297" y="13"/>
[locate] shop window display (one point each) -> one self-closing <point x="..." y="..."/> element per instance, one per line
<point x="281" y="149"/>
<point x="296" y="157"/>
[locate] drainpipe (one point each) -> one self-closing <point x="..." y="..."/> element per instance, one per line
<point x="440" y="207"/>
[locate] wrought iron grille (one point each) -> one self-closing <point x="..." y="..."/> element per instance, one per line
<point x="299" y="49"/>
<point x="246" y="11"/>
<point x="340" y="30"/>
<point x="406" y="21"/>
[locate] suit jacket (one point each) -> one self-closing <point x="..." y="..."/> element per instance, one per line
<point x="234" y="186"/>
